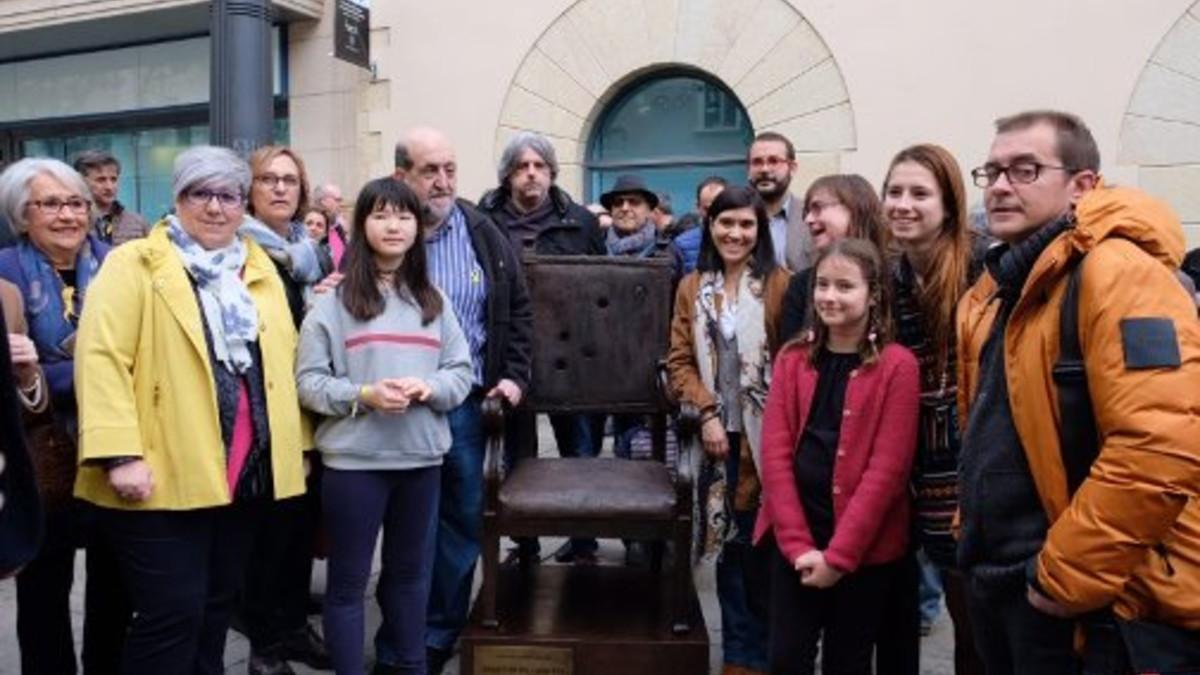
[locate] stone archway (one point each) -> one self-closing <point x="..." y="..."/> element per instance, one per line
<point x="763" y="50"/>
<point x="1160" y="132"/>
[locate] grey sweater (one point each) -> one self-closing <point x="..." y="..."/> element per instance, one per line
<point x="339" y="354"/>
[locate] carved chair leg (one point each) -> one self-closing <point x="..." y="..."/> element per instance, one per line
<point x="681" y="571"/>
<point x="656" y="556"/>
<point x="491" y="570"/>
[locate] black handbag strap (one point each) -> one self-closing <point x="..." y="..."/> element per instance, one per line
<point x="1077" y="437"/>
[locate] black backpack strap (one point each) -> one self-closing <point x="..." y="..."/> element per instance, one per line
<point x="1077" y="437"/>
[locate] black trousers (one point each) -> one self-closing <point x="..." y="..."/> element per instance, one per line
<point x="1012" y="637"/>
<point x="954" y="586"/>
<point x="898" y="647"/>
<point x="183" y="570"/>
<point x="43" y="599"/>
<point x="279" y="573"/>
<point x="845" y="618"/>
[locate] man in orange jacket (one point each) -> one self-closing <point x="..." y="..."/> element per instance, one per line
<point x="1119" y="557"/>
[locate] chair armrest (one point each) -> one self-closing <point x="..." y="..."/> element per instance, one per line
<point x="663" y="382"/>
<point x="688" y="433"/>
<point x="492" y="410"/>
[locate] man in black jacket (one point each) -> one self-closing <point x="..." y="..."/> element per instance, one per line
<point x="471" y="261"/>
<point x="539" y="217"/>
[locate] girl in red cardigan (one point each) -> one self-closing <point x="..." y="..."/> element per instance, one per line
<point x="839" y="433"/>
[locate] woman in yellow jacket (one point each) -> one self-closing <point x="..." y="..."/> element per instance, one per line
<point x="188" y="415"/>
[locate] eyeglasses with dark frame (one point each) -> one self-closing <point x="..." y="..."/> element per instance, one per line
<point x="270" y="180"/>
<point x="1018" y="173"/>
<point x="202" y="196"/>
<point x="53" y="206"/>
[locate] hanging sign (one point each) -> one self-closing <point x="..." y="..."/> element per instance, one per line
<point x="352" y="32"/>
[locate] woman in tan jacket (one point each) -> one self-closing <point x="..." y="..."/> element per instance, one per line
<point x="723" y="339"/>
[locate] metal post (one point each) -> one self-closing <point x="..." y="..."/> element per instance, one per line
<point x="241" y="109"/>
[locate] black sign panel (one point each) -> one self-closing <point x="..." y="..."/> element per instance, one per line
<point x="351" y="32"/>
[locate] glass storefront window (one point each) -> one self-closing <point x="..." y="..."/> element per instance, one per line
<point x="147" y="158"/>
<point x="673" y="131"/>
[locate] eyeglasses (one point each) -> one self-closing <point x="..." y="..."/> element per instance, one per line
<point x="771" y="162"/>
<point x="53" y="206"/>
<point x="202" y="197"/>
<point x="268" y="180"/>
<point x="1018" y="173"/>
<point x="814" y="208"/>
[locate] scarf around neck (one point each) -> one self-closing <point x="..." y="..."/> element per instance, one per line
<point x="636" y="244"/>
<point x="54" y="308"/>
<point x="228" y="308"/>
<point x="297" y="252"/>
<point x="747" y="319"/>
<point x="523" y="228"/>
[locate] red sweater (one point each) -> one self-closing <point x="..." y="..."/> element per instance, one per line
<point x="876" y="444"/>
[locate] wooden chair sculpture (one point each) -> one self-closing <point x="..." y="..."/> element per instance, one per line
<point x="601" y="330"/>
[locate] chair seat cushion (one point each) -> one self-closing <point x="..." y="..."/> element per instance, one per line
<point x="588" y="488"/>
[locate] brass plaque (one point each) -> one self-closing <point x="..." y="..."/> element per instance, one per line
<point x="492" y="660"/>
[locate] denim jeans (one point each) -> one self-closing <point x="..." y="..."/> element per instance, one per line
<point x="356" y="505"/>
<point x="741" y="581"/>
<point x="459" y="527"/>
<point x="743" y="591"/>
<point x="930" y="589"/>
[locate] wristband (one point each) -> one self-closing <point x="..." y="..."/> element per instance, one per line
<point x="359" y="399"/>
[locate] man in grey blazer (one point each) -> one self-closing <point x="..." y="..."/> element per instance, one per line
<point x="770" y="164"/>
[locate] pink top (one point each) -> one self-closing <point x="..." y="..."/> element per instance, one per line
<point x="243" y="439"/>
<point x="337" y="246"/>
<point x="876" y="446"/>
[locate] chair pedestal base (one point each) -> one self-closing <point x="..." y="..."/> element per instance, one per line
<point x="584" y="620"/>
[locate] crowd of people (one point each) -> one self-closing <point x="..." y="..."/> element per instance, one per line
<point x="891" y="399"/>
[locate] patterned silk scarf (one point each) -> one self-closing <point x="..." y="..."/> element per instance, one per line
<point x="748" y="319"/>
<point x="224" y="299"/>
<point x="54" y="307"/>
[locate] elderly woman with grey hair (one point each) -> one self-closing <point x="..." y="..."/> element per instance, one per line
<point x="189" y="419"/>
<point x="52" y="266"/>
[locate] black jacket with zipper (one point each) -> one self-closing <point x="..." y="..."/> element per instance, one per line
<point x="570" y="229"/>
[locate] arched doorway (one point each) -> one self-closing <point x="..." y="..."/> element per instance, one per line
<point x="768" y="57"/>
<point x="673" y="129"/>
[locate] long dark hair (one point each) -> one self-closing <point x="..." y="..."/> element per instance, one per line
<point x="360" y="291"/>
<point x="762" y="258"/>
<point x="869" y="259"/>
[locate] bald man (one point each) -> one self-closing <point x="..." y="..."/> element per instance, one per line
<point x="474" y="265"/>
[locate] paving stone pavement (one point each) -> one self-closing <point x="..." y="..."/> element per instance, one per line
<point x="936" y="649"/>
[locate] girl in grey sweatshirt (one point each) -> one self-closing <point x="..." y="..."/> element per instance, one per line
<point x="383" y="359"/>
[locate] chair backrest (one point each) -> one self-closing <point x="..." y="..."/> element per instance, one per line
<point x="600" y="327"/>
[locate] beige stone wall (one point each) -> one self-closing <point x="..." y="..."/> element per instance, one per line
<point x="851" y="81"/>
<point x="1161" y="128"/>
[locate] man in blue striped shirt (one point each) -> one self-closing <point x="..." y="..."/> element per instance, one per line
<point x="471" y="261"/>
